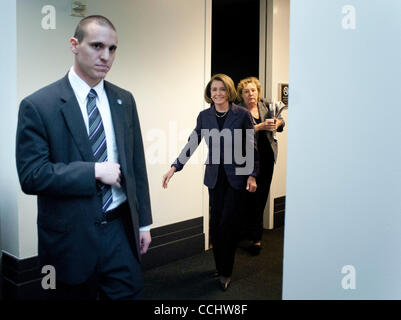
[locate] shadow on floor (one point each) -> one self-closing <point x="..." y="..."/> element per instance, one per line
<point x="254" y="277"/>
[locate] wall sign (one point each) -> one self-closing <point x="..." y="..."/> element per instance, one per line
<point x="283" y="94"/>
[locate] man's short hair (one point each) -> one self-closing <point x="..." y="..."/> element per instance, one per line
<point x="81" y="27"/>
<point x="228" y="84"/>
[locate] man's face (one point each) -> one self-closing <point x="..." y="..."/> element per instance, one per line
<point x="95" y="54"/>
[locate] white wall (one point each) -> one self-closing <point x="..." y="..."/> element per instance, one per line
<point x="344" y="157"/>
<point x="9" y="185"/>
<point x="163" y="58"/>
<point x="276" y="72"/>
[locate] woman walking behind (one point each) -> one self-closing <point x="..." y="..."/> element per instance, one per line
<point x="265" y="124"/>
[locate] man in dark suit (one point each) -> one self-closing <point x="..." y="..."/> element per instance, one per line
<point x="79" y="149"/>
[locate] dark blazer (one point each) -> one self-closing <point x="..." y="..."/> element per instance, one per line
<point x="207" y="127"/>
<point x="55" y="162"/>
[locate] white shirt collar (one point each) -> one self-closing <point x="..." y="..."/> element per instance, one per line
<point x="81" y="88"/>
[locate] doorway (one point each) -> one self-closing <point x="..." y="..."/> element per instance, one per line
<point x="235" y="38"/>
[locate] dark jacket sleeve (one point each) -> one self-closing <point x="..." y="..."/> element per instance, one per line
<point x="250" y="137"/>
<point x="37" y="174"/>
<point x="193" y="142"/>
<point x="140" y="172"/>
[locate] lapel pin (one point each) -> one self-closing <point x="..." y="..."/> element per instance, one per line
<point x="119" y="101"/>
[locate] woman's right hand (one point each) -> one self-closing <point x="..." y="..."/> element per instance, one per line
<point x="167" y="177"/>
<point x="267" y="125"/>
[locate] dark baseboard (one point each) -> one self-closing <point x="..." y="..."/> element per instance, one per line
<point x="279" y="212"/>
<point x="21" y="279"/>
<point x="175" y="241"/>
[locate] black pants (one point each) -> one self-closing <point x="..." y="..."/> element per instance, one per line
<point x="118" y="274"/>
<point x="254" y="204"/>
<point x="224" y="223"/>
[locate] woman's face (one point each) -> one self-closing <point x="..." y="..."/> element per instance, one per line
<point x="218" y="92"/>
<point x="250" y="94"/>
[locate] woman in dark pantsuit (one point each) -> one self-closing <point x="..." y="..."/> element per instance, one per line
<point x="266" y="125"/>
<point x="226" y="175"/>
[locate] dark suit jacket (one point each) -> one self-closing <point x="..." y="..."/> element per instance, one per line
<point x="206" y="123"/>
<point x="56" y="163"/>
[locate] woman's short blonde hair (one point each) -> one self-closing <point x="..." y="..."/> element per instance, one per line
<point x="228" y="84"/>
<point x="242" y="84"/>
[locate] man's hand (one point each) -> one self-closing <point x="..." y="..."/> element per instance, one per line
<point x="251" y="184"/>
<point x="108" y="173"/>
<point x="144" y="241"/>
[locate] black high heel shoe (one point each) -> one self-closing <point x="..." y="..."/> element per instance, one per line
<point x="224" y="283"/>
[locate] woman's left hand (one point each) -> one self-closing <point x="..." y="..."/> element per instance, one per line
<point x="251" y="184"/>
<point x="273" y="126"/>
<point x="278" y="123"/>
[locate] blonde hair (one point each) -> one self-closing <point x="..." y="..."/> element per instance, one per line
<point x="242" y="84"/>
<point x="228" y="84"/>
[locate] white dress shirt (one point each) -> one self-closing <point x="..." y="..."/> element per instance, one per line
<point x="81" y="90"/>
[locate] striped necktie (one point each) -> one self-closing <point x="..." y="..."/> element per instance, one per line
<point x="97" y="138"/>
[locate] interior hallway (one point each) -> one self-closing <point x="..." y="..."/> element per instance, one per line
<point x="254" y="277"/>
